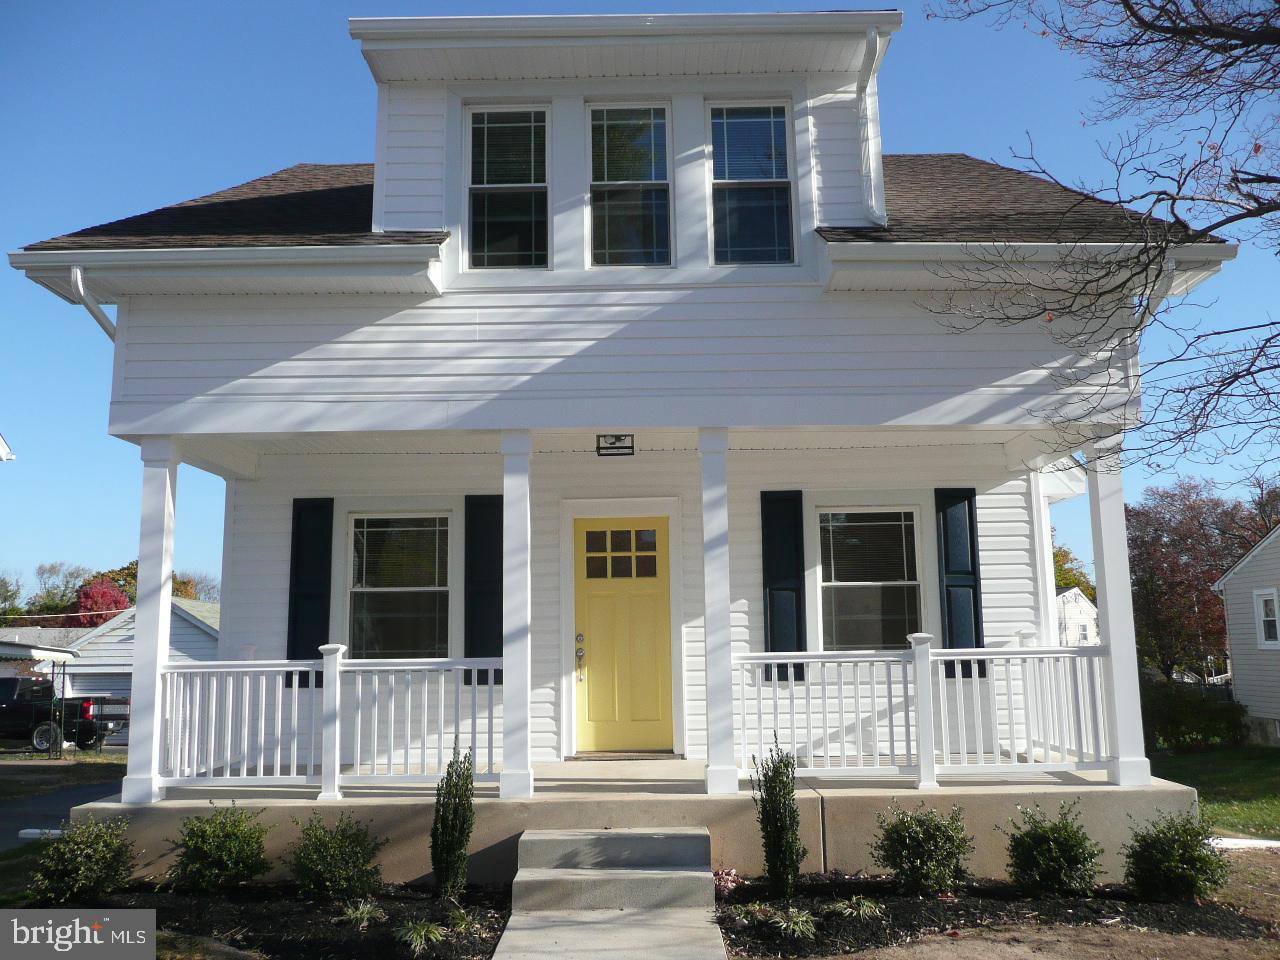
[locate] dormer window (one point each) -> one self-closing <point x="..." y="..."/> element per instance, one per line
<point x="508" y="188"/>
<point x="751" y="184"/>
<point x="630" y="192"/>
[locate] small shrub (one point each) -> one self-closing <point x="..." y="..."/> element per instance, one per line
<point x="794" y="924"/>
<point x="335" y="863"/>
<point x="222" y="850"/>
<point x="855" y="908"/>
<point x="1171" y="859"/>
<point x="451" y="826"/>
<point x="773" y="790"/>
<point x="924" y="850"/>
<point x="91" y="858"/>
<point x="419" y="936"/>
<point x="1052" y="857"/>
<point x="726" y="882"/>
<point x="361" y="913"/>
<point x="1177" y="716"/>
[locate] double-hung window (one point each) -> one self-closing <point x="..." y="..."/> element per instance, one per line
<point x="751" y="185"/>
<point x="399" y="587"/>
<point x="630" y="192"/>
<point x="870" y="589"/>
<point x="1264" y="608"/>
<point x="508" y="188"/>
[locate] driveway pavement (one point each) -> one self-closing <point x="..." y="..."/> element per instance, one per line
<point x="47" y="810"/>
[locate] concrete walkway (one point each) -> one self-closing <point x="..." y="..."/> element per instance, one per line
<point x="611" y="935"/>
<point x="47" y="811"/>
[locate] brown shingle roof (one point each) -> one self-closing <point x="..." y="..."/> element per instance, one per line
<point x="310" y="204"/>
<point x="930" y="197"/>
<point x="953" y="197"/>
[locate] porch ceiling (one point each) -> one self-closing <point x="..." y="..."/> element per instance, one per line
<point x="237" y="455"/>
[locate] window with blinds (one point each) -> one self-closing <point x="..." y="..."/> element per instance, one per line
<point x="399" y="587"/>
<point x="630" y="193"/>
<point x="508" y="188"/>
<point x="869" y="582"/>
<point x="751" y="185"/>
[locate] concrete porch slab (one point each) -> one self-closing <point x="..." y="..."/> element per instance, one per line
<point x="837" y="817"/>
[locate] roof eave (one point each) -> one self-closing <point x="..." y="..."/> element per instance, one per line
<point x="376" y="30"/>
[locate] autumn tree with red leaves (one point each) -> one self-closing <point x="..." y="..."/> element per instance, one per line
<point x="97" y="602"/>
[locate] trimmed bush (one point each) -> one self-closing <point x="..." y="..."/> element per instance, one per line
<point x="336" y="863"/>
<point x="91" y="858"/>
<point x="451" y="826"/>
<point x="222" y="850"/>
<point x="1171" y="859"/>
<point x="773" y="790"/>
<point x="924" y="850"/>
<point x="1177" y="716"/>
<point x="1052" y="857"/>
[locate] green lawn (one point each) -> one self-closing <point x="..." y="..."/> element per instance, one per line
<point x="23" y="775"/>
<point x="1239" y="787"/>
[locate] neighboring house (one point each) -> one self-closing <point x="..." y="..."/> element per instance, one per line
<point x="47" y="637"/>
<point x="105" y="653"/>
<point x="1250" y="592"/>
<point x="603" y="412"/>
<point x="1077" y="618"/>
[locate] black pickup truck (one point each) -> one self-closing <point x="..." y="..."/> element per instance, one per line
<point x="32" y="714"/>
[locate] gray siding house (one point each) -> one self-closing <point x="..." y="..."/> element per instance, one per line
<point x="1250" y="592"/>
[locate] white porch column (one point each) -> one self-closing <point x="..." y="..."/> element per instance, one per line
<point x="331" y="722"/>
<point x="722" y="769"/>
<point x="151" y="623"/>
<point x="1042" y="543"/>
<point x="516" y="779"/>
<point x="1115" y="615"/>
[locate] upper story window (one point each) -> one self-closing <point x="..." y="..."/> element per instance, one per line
<point x="630" y="190"/>
<point x="1264" y="608"/>
<point x="509" y="188"/>
<point x="751" y="185"/>
<point x="399" y="596"/>
<point x="870" y="588"/>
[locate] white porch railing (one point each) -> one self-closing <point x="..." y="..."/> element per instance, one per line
<point x="994" y="710"/>
<point x="838" y="714"/>
<point x="334" y="722"/>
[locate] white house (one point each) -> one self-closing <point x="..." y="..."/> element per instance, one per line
<point x="601" y="413"/>
<point x="105" y="654"/>
<point x="1077" y="618"/>
<point x="1249" y="592"/>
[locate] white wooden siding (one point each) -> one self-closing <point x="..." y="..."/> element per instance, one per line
<point x="838" y="184"/>
<point x="571" y="358"/>
<point x="1255" y="672"/>
<point x="187" y="642"/>
<point x="409" y="169"/>
<point x="255" y="587"/>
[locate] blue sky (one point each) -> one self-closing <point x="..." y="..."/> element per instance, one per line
<point x="111" y="109"/>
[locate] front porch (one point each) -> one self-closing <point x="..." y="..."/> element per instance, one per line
<point x="917" y="712"/>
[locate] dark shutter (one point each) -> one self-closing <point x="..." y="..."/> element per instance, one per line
<point x="482" y="580"/>
<point x="782" y="563"/>
<point x="958" y="570"/>
<point x="309" y="578"/>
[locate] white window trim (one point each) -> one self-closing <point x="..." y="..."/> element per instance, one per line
<point x="589" y="253"/>
<point x="1258" y="597"/>
<point x="467" y="185"/>
<point x="869" y="502"/>
<point x="792" y="179"/>
<point x="346" y="510"/>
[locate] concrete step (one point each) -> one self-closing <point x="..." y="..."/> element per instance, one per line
<point x="630" y="888"/>
<point x="622" y="847"/>
<point x="617" y="935"/>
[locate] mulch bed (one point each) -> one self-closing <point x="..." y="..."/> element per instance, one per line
<point x="272" y="920"/>
<point x="981" y="905"/>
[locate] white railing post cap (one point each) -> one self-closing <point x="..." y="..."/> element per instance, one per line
<point x="920" y="639"/>
<point x="332" y="650"/>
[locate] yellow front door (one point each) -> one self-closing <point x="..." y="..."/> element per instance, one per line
<point x="623" y="654"/>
